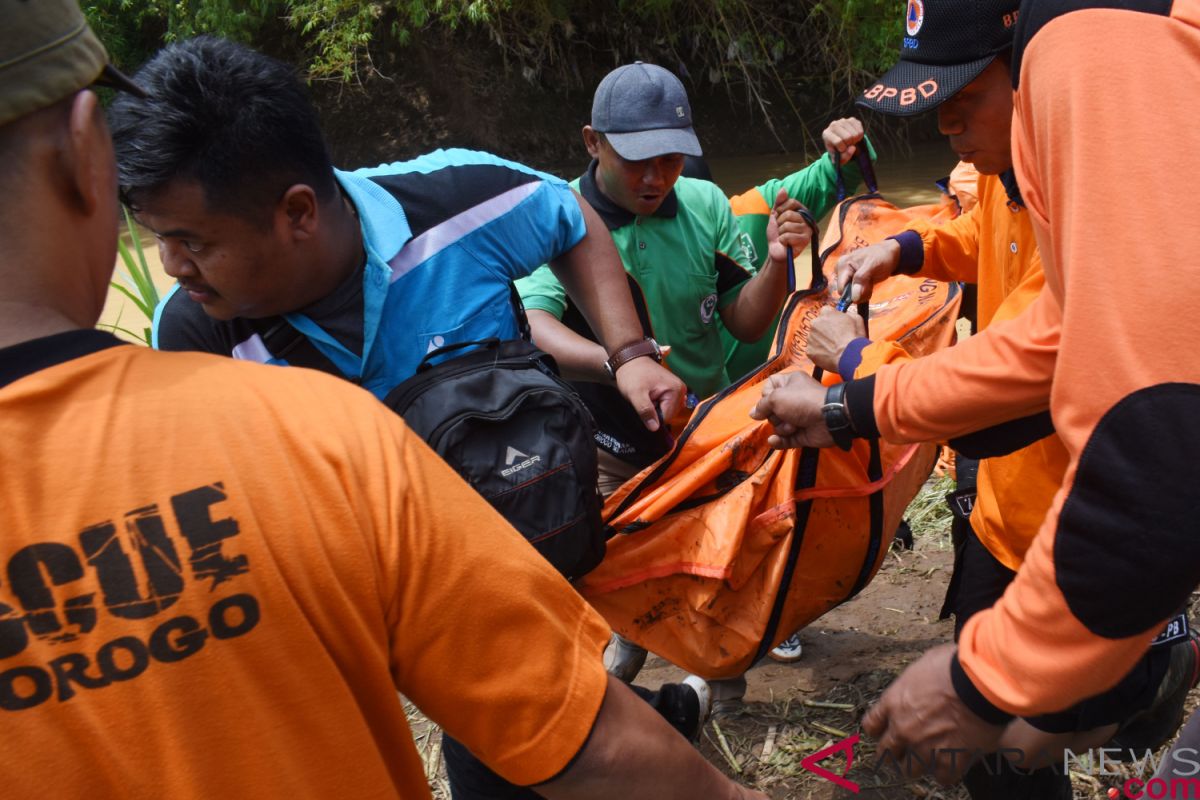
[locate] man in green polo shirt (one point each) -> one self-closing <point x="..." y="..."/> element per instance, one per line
<point x="689" y="264"/>
<point x="687" y="260"/>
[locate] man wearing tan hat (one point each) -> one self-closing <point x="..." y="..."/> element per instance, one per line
<point x="217" y="575"/>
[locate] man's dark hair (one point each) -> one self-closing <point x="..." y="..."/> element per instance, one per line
<point x="237" y="122"/>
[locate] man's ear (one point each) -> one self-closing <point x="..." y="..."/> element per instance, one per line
<point x="86" y="155"/>
<point x="591" y="140"/>
<point x="298" y="212"/>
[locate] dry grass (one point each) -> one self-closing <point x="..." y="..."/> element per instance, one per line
<point x="929" y="516"/>
<point x="428" y="738"/>
<point x="795" y="730"/>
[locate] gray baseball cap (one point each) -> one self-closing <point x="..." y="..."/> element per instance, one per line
<point x="643" y="111"/>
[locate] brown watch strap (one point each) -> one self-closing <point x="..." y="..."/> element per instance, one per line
<point x="623" y="355"/>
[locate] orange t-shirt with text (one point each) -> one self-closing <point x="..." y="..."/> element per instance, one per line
<point x="217" y="575"/>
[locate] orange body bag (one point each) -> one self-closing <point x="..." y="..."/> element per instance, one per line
<point x="725" y="547"/>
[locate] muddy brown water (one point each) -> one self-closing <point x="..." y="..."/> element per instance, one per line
<point x="906" y="177"/>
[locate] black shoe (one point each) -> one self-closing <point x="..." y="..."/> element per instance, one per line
<point x="1152" y="728"/>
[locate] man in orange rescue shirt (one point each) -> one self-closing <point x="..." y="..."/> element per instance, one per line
<point x="993" y="246"/>
<point x="212" y="585"/>
<point x="1108" y="350"/>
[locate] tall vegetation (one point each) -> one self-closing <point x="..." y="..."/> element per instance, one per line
<point x="134" y="280"/>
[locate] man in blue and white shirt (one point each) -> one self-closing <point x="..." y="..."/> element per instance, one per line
<point x="225" y="163"/>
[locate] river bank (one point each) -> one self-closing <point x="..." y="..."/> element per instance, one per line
<point x="525" y="94"/>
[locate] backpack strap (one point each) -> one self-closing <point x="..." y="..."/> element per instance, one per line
<point x="518" y="307"/>
<point x="284" y="342"/>
<point x="288" y="344"/>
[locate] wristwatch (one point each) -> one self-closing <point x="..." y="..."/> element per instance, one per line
<point x="837" y="416"/>
<point x="623" y="355"/>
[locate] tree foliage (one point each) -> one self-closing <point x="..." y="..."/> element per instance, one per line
<point x="133" y="29"/>
<point x="754" y="48"/>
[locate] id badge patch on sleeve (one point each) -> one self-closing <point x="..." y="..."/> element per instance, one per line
<point x="1176" y="630"/>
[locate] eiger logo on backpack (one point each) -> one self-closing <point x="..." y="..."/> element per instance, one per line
<point x="517" y="461"/>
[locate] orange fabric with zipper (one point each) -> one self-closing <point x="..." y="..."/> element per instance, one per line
<point x="703" y="536"/>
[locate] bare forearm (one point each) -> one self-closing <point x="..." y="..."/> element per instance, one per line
<point x="596" y="282"/>
<point x="633" y="753"/>
<point x="578" y="358"/>
<point x="755" y="307"/>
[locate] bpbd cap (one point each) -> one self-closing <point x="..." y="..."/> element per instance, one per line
<point x="643" y="111"/>
<point x="947" y="43"/>
<point x="48" y="52"/>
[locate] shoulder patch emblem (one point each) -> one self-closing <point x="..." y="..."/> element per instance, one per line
<point x="748" y="251"/>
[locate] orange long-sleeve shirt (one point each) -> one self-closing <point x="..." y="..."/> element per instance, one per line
<point x="1110" y="349"/>
<point x="993" y="245"/>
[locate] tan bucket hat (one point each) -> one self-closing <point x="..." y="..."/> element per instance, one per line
<point x="48" y="52"/>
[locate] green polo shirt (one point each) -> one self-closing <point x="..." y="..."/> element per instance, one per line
<point x="687" y="261"/>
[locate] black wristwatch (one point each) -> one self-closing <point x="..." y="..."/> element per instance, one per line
<point x="837" y="416"/>
<point x="643" y="348"/>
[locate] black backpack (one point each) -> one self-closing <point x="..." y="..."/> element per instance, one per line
<point x="521" y="436"/>
<point x="504" y="420"/>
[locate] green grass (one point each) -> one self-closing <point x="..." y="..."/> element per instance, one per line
<point x="134" y="281"/>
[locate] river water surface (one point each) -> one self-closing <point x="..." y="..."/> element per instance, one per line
<point x="905" y="177"/>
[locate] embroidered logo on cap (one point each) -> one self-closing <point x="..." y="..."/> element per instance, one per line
<point x="914" y="17"/>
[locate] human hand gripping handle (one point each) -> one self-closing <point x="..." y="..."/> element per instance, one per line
<point x="921" y="725"/>
<point x="831" y="331"/>
<point x="842" y="137"/>
<point x="792" y="403"/>
<point x="867" y="266"/>
<point x="787" y="227"/>
<point x="651" y="389"/>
